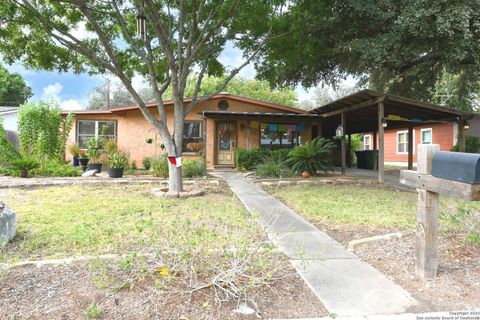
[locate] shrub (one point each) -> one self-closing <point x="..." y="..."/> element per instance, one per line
<point x="278" y="154"/>
<point x="109" y="145"/>
<point x="24" y="165"/>
<point x="117" y="159"/>
<point x="247" y="159"/>
<point x="312" y="156"/>
<point x="7" y="151"/>
<point x="146" y="163"/>
<point x="273" y="166"/>
<point x="57" y="169"/>
<point x="160" y="166"/>
<point x="472" y="145"/>
<point x="194" y="168"/>
<point x="462" y="217"/>
<point x="74" y="150"/>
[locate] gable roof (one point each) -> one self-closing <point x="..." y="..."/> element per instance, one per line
<point x="216" y="97"/>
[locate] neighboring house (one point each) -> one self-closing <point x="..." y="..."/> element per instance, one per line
<point x="214" y="128"/>
<point x="10" y="118"/>
<point x="396" y="140"/>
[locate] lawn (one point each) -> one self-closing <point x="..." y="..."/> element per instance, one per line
<point x="351" y="204"/>
<point x="56" y="222"/>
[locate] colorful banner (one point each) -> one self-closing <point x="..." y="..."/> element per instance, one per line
<point x="300" y="127"/>
<point x="254" y="124"/>
<point x="264" y="125"/>
<point x="282" y="127"/>
<point x="291" y="128"/>
<point x="272" y="127"/>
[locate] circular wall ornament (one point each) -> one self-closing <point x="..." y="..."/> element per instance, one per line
<point x="223" y="105"/>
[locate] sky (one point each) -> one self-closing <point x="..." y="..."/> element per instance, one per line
<point x="71" y="90"/>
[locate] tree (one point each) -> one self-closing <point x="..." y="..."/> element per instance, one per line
<point x="162" y="40"/>
<point x="13" y="89"/>
<point x="399" y="47"/>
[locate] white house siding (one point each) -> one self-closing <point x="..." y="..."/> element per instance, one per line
<point x="10" y="120"/>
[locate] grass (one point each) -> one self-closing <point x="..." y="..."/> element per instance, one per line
<point x="368" y="206"/>
<point x="56" y="222"/>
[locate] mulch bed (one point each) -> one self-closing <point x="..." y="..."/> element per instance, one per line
<point x="65" y="292"/>
<point x="457" y="286"/>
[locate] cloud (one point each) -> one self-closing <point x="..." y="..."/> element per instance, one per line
<point x="53" y="91"/>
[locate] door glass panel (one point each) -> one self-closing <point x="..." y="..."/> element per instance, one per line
<point x="225" y="133"/>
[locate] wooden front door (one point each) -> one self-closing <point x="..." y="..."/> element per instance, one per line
<point x="226" y="138"/>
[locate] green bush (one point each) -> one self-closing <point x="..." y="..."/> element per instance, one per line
<point x="24" y="165"/>
<point x="160" y="166"/>
<point x="247" y="159"/>
<point x="278" y="154"/>
<point x="117" y="160"/>
<point x="313" y="156"/>
<point x="146" y="163"/>
<point x="472" y="145"/>
<point x="7" y="151"/>
<point x="273" y="166"/>
<point x="57" y="169"/>
<point x="194" y="168"/>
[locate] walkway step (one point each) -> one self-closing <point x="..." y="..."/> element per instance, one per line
<point x="345" y="285"/>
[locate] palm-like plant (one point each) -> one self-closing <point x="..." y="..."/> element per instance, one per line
<point x="25" y="165"/>
<point x="313" y="156"/>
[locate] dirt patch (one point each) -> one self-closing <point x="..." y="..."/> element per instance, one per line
<point x="65" y="292"/>
<point x="457" y="285"/>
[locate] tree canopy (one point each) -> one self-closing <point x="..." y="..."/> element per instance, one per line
<point x="403" y="47"/>
<point x="13" y="89"/>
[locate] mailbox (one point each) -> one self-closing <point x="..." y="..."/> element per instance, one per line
<point x="458" y="166"/>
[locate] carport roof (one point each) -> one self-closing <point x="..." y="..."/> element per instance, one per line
<point x="361" y="111"/>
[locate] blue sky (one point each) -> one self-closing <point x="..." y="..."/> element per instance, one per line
<point x="71" y="90"/>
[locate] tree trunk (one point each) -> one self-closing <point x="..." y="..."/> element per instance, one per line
<point x="175" y="181"/>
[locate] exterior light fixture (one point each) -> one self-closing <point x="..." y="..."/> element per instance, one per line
<point x="466" y="125"/>
<point x="384" y="122"/>
<point x="339" y="131"/>
<point x="141" y="24"/>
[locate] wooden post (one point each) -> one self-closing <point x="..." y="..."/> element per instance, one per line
<point x="343" y="142"/>
<point x="410" y="148"/>
<point x="349" y="151"/>
<point x="248" y="134"/>
<point x="375" y="162"/>
<point x="461" y="136"/>
<point x="426" y="254"/>
<point x="381" y="156"/>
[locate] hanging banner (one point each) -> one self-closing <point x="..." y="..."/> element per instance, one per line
<point x="300" y="127"/>
<point x="254" y="124"/>
<point x="264" y="125"/>
<point x="282" y="127"/>
<point x="272" y="127"/>
<point x="291" y="128"/>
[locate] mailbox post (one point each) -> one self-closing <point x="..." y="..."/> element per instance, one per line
<point x="450" y="183"/>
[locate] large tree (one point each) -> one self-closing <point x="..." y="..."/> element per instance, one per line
<point x="13" y="89"/>
<point x="404" y="47"/>
<point x="164" y="40"/>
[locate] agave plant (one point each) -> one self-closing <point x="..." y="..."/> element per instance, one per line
<point x="313" y="156"/>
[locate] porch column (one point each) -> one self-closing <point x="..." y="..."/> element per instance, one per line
<point x="349" y="151"/>
<point x="381" y="156"/>
<point x="375" y="167"/>
<point x="344" y="147"/>
<point x="461" y="135"/>
<point x="410" y="148"/>
<point x="247" y="143"/>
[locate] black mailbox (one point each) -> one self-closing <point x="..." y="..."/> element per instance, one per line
<point x="458" y="166"/>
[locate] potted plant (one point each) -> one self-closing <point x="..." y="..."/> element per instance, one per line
<point x="117" y="162"/>
<point x="94" y="153"/>
<point x="75" y="152"/>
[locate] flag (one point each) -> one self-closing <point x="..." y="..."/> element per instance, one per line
<point x="282" y="127"/>
<point x="300" y="127"/>
<point x="264" y="125"/>
<point x="272" y="127"/>
<point x="254" y="124"/>
<point x="176" y="161"/>
<point x="291" y="128"/>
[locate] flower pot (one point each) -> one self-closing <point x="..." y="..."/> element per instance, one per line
<point x="95" y="166"/>
<point x="76" y="161"/>
<point x="83" y="161"/>
<point x="306" y="174"/>
<point x="115" y="172"/>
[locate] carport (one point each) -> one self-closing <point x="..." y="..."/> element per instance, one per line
<point x="370" y="111"/>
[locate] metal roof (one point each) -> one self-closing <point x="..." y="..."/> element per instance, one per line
<point x="271" y="116"/>
<point x="8" y="109"/>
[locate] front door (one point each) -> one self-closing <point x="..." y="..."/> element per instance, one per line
<point x="226" y="137"/>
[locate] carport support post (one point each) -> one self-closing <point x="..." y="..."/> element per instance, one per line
<point x="381" y="157"/>
<point x="461" y="135"/>
<point x="375" y="168"/>
<point x="410" y="148"/>
<point x="344" y="147"/>
<point x="349" y="151"/>
<point x="426" y="253"/>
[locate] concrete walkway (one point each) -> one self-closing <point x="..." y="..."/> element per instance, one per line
<point x="345" y="285"/>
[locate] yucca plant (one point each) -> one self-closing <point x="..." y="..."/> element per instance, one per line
<point x="313" y="156"/>
<point x="24" y="165"/>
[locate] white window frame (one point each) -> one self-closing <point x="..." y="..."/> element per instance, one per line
<point x="96" y="129"/>
<point x="369" y="144"/>
<point x="421" y="135"/>
<point x="413" y="140"/>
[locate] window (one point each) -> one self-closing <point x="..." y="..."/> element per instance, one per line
<point x="402" y="141"/>
<point x="426" y="136"/>
<point x="192" y="137"/>
<point x="367" y="142"/>
<point x="278" y="139"/>
<point x="87" y="129"/>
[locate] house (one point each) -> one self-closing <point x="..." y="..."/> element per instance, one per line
<point x="10" y="118"/>
<point x="396" y="140"/>
<point x="214" y="128"/>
